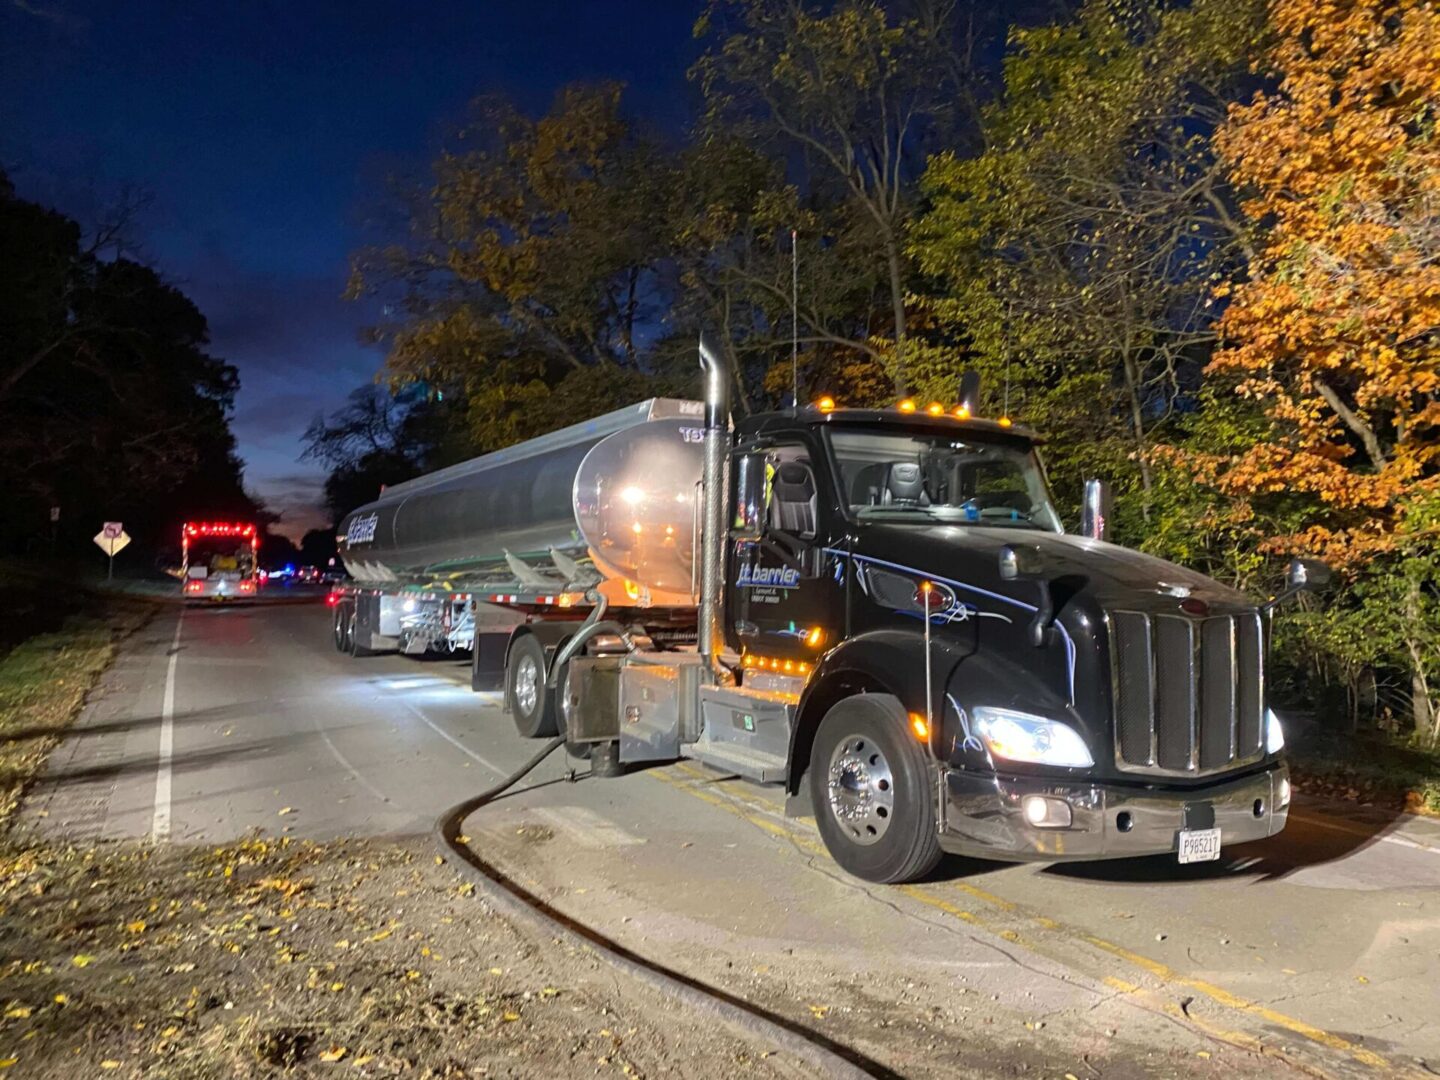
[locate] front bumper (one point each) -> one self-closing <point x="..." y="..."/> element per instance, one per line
<point x="983" y="816"/>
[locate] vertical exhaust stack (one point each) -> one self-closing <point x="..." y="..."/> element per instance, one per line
<point x="716" y="498"/>
<point x="970" y="392"/>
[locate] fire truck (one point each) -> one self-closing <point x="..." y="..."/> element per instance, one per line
<point x="219" y="560"/>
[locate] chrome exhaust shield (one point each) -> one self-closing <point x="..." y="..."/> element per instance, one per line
<point x="715" y="487"/>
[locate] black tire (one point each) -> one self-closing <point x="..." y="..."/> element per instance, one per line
<point x="337" y="631"/>
<point x="531" y="704"/>
<point x="353" y="639"/>
<point x="882" y="826"/>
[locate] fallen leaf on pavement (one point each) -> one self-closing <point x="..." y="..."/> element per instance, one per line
<point x="335" y="1053"/>
<point x="81" y="960"/>
<point x="286" y="810"/>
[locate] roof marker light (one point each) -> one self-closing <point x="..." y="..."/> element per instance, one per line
<point x="936" y="409"/>
<point x="1004" y="421"/>
<point x="962" y="412"/>
<point x="826" y="404"/>
<point x="907" y="406"/>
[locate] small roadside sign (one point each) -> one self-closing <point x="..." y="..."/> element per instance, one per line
<point x="112" y="542"/>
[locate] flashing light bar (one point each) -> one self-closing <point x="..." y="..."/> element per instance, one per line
<point x="218" y="528"/>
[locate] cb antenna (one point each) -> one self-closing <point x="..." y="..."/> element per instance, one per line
<point x="794" y="319"/>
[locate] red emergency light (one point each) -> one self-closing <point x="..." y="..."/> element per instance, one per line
<point x="219" y="529"/>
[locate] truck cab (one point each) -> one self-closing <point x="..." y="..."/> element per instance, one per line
<point x="905" y="578"/>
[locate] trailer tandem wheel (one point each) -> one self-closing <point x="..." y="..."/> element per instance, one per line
<point x="531" y="703"/>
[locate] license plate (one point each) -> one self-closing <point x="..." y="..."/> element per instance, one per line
<point x="1199" y="845"/>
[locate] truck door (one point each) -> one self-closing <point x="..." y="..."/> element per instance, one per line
<point x="786" y="595"/>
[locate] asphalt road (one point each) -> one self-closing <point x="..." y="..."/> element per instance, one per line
<point x="1318" y="950"/>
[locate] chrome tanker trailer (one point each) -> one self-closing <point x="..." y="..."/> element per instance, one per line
<point x="877" y="608"/>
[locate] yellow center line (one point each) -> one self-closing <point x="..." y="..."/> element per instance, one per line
<point x="736" y="802"/>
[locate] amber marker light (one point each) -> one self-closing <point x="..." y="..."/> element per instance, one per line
<point x="826" y="404"/>
<point x="1004" y="421"/>
<point x="936" y="409"/>
<point x="907" y="406"/>
<point x="815" y="637"/>
<point x="919" y="726"/>
<point x="962" y="412"/>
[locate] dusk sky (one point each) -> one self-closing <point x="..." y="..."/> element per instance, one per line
<point x="263" y="131"/>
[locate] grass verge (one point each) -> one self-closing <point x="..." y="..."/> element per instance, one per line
<point x="43" y="683"/>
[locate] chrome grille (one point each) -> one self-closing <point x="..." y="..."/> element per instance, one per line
<point x="1188" y="692"/>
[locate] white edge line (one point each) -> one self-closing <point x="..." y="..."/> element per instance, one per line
<point x="160" y="823"/>
<point x="454" y="741"/>
<point x="1351" y="830"/>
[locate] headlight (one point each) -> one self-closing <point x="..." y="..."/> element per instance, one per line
<point x="1019" y="736"/>
<point x="1274" y="733"/>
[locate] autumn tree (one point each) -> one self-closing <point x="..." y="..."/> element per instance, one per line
<point x="850" y="96"/>
<point x="1075" y="256"/>
<point x="535" y="264"/>
<point x="1335" y="336"/>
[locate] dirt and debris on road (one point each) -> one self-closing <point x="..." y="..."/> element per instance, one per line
<point x="281" y="957"/>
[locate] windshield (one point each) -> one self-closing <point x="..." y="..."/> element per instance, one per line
<point x="923" y="477"/>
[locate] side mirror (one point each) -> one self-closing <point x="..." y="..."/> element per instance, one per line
<point x="751" y="497"/>
<point x="1095" y="510"/>
<point x="1311" y="574"/>
<point x="1302" y="575"/>
<point x="1026" y="562"/>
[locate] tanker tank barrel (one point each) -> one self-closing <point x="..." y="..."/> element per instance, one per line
<point x="613" y="497"/>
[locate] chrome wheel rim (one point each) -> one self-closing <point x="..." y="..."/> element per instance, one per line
<point x="861" y="790"/>
<point x="527" y="684"/>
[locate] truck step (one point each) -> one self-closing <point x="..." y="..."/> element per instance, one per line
<point x="733" y="757"/>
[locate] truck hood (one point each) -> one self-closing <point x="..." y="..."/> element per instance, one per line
<point x="1111" y="575"/>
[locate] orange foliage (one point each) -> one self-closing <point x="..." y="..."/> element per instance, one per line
<point x="1337" y="331"/>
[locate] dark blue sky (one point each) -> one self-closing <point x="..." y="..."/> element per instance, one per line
<point x="263" y="130"/>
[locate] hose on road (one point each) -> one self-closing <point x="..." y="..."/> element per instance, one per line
<point x="504" y="894"/>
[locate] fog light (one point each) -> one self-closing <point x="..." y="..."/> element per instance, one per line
<point x="1045" y="813"/>
<point x="1282" y="793"/>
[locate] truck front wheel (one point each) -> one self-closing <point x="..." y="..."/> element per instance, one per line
<point x="870" y="784"/>
<point x="525" y="691"/>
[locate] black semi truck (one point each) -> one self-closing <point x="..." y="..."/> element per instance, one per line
<point x="879" y="609"/>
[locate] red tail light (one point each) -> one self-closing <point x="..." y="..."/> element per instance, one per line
<point x="194" y="586"/>
<point x="332" y="599"/>
<point x="247" y="586"/>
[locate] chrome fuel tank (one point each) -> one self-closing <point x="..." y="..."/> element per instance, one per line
<point x="598" y="486"/>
